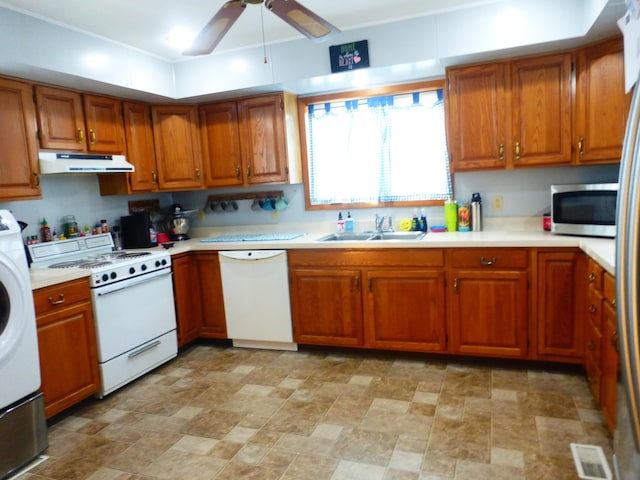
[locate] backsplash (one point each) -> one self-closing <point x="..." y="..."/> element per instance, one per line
<point x="525" y="194"/>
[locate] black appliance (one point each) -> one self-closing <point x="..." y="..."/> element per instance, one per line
<point x="136" y="230"/>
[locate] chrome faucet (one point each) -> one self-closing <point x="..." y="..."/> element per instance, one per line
<point x="380" y="223"/>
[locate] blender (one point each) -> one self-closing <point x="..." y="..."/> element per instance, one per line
<point x="179" y="222"/>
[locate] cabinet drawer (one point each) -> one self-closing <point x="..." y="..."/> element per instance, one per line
<point x="56" y="297"/>
<point x="594" y="347"/>
<point x="594" y="307"/>
<point x="595" y="274"/>
<point x="609" y="288"/>
<point x="489" y="257"/>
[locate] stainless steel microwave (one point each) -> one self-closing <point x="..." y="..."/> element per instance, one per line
<point x="584" y="209"/>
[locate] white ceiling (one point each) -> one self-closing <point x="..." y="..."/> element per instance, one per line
<point x="145" y="24"/>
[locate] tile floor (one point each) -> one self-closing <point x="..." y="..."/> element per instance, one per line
<point x="226" y="413"/>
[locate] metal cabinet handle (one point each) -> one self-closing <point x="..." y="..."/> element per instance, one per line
<point x="92" y="136"/>
<point x="248" y="171"/>
<point x="488" y="262"/>
<point x="455" y="285"/>
<point x="37" y="177"/>
<point x="592" y="308"/>
<point x="581" y="146"/>
<point x="154" y="176"/>
<point x="517" y="150"/>
<point x="80" y="135"/>
<point x="592" y="277"/>
<point x="57" y="302"/>
<point x="591" y="346"/>
<point x="357" y="279"/>
<point x="197" y="173"/>
<point x="238" y="172"/>
<point x="501" y="151"/>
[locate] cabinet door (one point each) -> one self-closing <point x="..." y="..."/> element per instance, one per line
<point x="601" y="104"/>
<point x="221" y="151"/>
<point x="476" y="123"/>
<point x="19" y="154"/>
<point x="594" y="341"/>
<point x="326" y="307"/>
<point x="66" y="345"/>
<point x="103" y="117"/>
<point x="177" y="145"/>
<point x="187" y="296"/>
<point x="489" y="311"/>
<point x="140" y="149"/>
<point x="560" y="300"/>
<point x="610" y="359"/>
<point x="60" y="119"/>
<point x="541" y="110"/>
<point x="214" y="323"/>
<point x="406" y="310"/>
<point x="262" y="139"/>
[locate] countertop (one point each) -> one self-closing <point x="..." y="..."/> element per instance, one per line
<point x="516" y="234"/>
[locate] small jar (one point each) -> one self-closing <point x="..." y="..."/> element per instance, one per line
<point x="70" y="226"/>
<point x="104" y="227"/>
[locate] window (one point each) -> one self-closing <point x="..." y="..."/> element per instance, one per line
<point x="376" y="149"/>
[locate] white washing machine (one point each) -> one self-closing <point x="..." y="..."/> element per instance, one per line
<point x="19" y="361"/>
<point x="23" y="429"/>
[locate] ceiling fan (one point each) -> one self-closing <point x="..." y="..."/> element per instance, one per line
<point x="296" y="15"/>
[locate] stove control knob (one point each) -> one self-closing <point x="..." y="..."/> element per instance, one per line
<point x="164" y="262"/>
<point x="113" y="275"/>
<point x="105" y="277"/>
<point x="158" y="263"/>
<point x="132" y="271"/>
<point x="143" y="267"/>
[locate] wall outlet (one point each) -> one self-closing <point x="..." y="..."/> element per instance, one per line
<point x="497" y="203"/>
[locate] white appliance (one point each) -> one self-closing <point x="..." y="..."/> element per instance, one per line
<point x="255" y="286"/>
<point x="132" y="299"/>
<point x="627" y="433"/>
<point x="22" y="425"/>
<point x="52" y="162"/>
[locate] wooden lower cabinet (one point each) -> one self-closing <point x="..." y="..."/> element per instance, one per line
<point x="391" y="300"/>
<point x="406" y="310"/>
<point x="488" y="302"/>
<point x="213" y="321"/>
<point x="610" y="361"/>
<point x="67" y="345"/>
<point x="560" y="324"/>
<point x="197" y="288"/>
<point x="326" y="305"/>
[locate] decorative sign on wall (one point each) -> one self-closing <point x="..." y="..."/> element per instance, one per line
<point x="349" y="56"/>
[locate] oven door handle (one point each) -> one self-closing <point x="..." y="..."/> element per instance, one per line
<point x="132" y="283"/>
<point x="141" y="350"/>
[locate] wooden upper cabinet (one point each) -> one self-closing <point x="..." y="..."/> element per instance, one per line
<point x="541" y="110"/>
<point x="476" y="122"/>
<point x="70" y="121"/>
<point x="177" y="146"/>
<point x="220" y="134"/>
<point x="140" y="150"/>
<point x="103" y="117"/>
<point x="19" y="154"/>
<point x="601" y="105"/>
<point x="60" y="119"/>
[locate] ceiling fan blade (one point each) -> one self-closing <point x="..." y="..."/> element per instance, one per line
<point x="302" y="19"/>
<point x="218" y="26"/>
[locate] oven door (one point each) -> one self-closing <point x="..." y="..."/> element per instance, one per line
<point x="132" y="312"/>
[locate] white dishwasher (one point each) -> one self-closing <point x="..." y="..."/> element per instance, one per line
<point x="255" y="287"/>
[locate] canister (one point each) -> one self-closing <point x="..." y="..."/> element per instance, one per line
<point x="70" y="226"/>
<point x="464" y="217"/>
<point x="476" y="212"/>
<point x="451" y="215"/>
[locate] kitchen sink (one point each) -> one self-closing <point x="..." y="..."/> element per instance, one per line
<point x="398" y="236"/>
<point x="373" y="236"/>
<point x="348" y="237"/>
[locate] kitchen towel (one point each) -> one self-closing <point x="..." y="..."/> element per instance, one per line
<point x="253" y="237"/>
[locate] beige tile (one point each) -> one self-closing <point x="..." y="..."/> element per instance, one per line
<point x="240" y="434"/>
<point x="328" y="431"/>
<point x="198" y="445"/>
<point x="357" y="471"/>
<point x="406" y="461"/>
<point x="388" y="405"/>
<point x="508" y="457"/>
<point x="363" y="380"/>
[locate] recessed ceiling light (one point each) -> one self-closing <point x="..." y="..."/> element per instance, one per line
<point x="180" y="38"/>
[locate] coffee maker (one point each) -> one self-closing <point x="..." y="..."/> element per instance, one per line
<point x="136" y="230"/>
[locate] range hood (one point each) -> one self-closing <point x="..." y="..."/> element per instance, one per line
<point x="52" y="162"/>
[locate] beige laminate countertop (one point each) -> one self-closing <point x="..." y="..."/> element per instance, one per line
<point x="601" y="250"/>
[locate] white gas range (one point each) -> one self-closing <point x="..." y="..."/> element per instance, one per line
<point x="132" y="298"/>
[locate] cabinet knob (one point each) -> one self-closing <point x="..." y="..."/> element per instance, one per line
<point x="592" y="308"/>
<point x="591" y="346"/>
<point x="197" y="173"/>
<point x="592" y="277"/>
<point x="484" y="261"/>
<point x="57" y="302"/>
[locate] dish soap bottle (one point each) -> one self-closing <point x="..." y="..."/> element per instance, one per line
<point x="348" y="224"/>
<point x="340" y="224"/>
<point x="45" y="231"/>
<point x="423" y="221"/>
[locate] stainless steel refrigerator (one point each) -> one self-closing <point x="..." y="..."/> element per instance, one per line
<point x="627" y="435"/>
